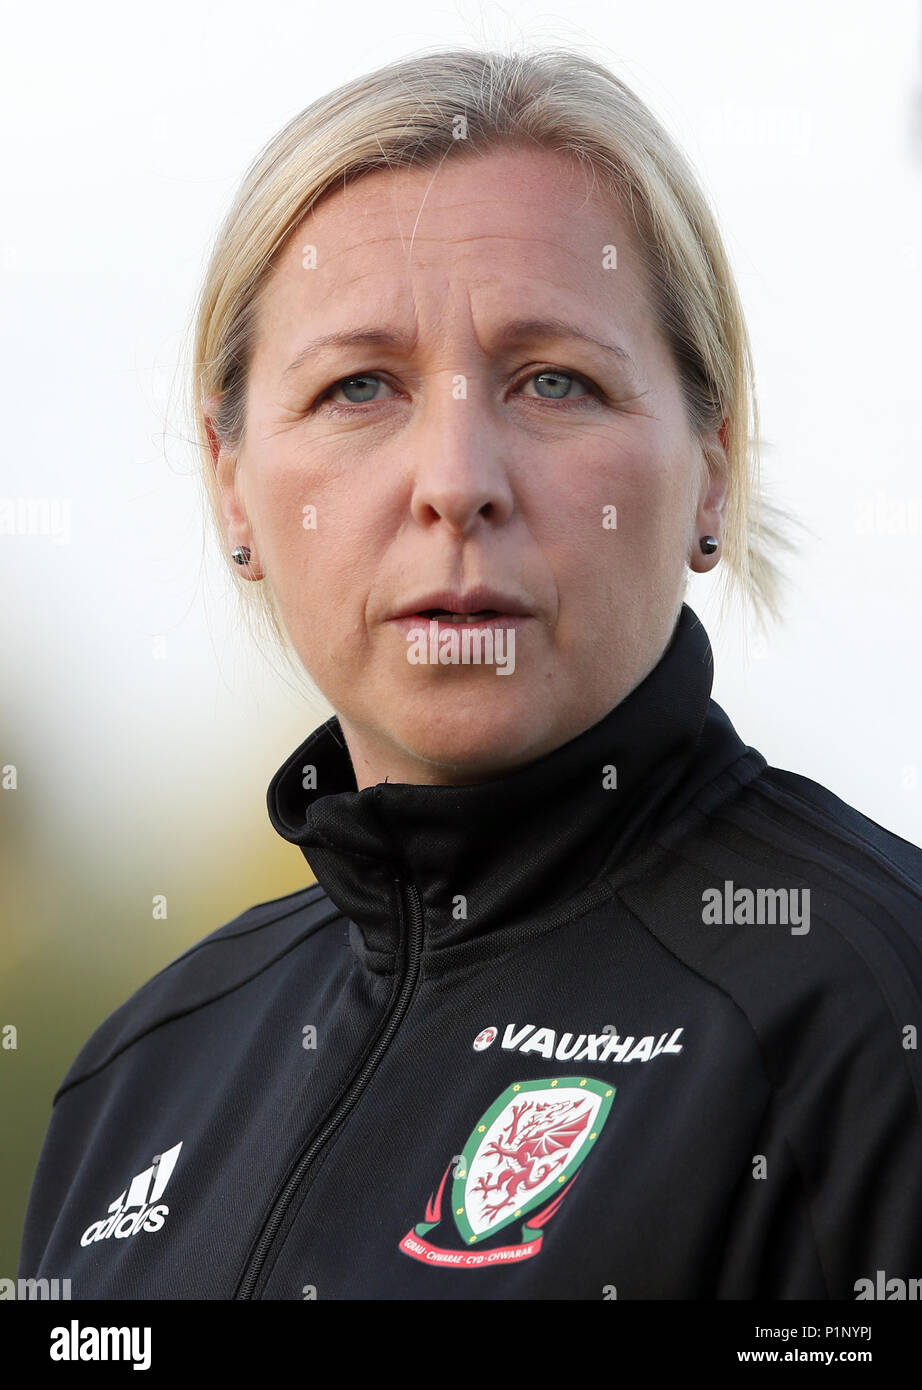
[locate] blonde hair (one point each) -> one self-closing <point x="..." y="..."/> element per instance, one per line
<point x="404" y="115"/>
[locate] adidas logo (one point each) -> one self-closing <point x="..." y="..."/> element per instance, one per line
<point x="144" y="1194"/>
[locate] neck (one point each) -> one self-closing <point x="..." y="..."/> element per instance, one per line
<point x="509" y="741"/>
<point x="517" y="847"/>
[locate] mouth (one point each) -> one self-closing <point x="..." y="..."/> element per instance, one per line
<point x="480" y="606"/>
<point x="446" y="615"/>
<point x="442" y="620"/>
<point x="480" y="609"/>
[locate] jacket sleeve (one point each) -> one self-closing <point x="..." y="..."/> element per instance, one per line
<point x="67" y="1144"/>
<point x="830" y="1205"/>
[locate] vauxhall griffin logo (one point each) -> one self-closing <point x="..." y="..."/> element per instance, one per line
<point x="139" y="1207"/>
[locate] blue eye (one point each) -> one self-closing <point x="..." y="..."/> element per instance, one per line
<point x="550" y="374"/>
<point x="363" y="382"/>
<point x="348" y="381"/>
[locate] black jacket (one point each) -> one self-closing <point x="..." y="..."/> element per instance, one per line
<point x="637" y="1020"/>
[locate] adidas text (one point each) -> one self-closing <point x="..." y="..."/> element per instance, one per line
<point x="138" y="1208"/>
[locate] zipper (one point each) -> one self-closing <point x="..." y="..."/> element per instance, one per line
<point x="413" y="914"/>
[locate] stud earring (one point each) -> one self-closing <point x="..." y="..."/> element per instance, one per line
<point x="241" y="554"/>
<point x="708" y="544"/>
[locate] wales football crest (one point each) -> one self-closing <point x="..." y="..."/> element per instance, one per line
<point x="520" y="1160"/>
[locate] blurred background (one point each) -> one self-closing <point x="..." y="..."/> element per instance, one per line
<point x="142" y="724"/>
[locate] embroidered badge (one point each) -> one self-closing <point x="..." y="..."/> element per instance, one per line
<point x="519" y="1162"/>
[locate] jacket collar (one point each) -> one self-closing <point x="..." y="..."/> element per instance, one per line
<point x="517" y="847"/>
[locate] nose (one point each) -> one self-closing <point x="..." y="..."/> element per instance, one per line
<point x="459" y="473"/>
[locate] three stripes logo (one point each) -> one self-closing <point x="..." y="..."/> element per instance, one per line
<point x="139" y="1207"/>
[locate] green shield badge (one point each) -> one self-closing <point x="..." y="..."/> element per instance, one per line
<point x="528" y="1145"/>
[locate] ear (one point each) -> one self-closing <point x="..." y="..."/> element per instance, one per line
<point x="237" y="529"/>
<point x="712" y="497"/>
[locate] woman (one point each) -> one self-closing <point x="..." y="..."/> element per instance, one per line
<point x="587" y="1001"/>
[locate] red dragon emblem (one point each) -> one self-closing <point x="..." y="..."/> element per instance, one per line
<point x="535" y="1143"/>
<point x="519" y="1162"/>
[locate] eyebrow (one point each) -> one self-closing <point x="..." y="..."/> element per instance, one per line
<point x="516" y="331"/>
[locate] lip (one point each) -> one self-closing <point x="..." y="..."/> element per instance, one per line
<point x="414" y="621"/>
<point x="506" y="606"/>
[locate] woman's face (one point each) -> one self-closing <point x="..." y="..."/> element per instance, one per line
<point x="473" y="451"/>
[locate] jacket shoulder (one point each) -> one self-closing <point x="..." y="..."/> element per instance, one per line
<point x="222" y="961"/>
<point x="781" y="882"/>
<point x="795" y="820"/>
<point x="804" y="799"/>
<point x="760" y="818"/>
<point x="795" y="910"/>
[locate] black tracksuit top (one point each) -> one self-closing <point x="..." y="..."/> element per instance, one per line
<point x="638" y="1020"/>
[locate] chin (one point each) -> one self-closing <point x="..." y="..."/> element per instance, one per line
<point x="470" y="735"/>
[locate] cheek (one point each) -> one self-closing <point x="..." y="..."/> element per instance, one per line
<point x="615" y="580"/>
<point x="302" y="524"/>
<point x="318" y="544"/>
<point x="622" y="514"/>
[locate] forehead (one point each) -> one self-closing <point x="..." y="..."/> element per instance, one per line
<point x="515" y="226"/>
<point x="502" y="185"/>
